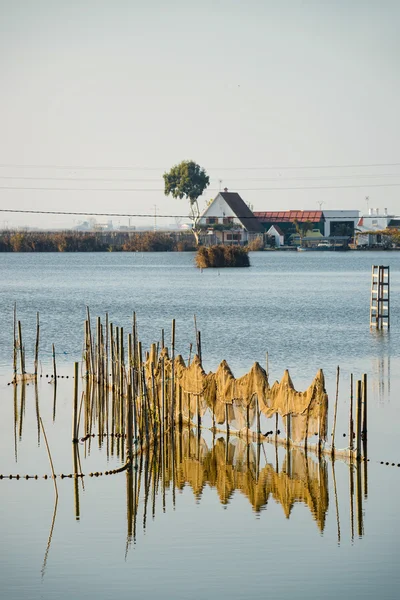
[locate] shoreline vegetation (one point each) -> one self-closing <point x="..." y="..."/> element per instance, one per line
<point x="128" y="241"/>
<point x="74" y="241"/>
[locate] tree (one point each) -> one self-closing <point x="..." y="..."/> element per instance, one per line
<point x="302" y="228"/>
<point x="187" y="180"/>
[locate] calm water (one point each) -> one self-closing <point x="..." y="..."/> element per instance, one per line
<point x="232" y="521"/>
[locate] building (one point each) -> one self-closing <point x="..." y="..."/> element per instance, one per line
<point x="276" y="232"/>
<point x="286" y="220"/>
<point x="228" y="220"/>
<point x="374" y="221"/>
<point x="339" y="223"/>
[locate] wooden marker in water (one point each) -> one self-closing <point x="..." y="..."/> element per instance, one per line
<point x="54" y="365"/>
<point x="75" y="405"/>
<point x="351" y="420"/>
<point x="37" y="344"/>
<point x="335" y="413"/>
<point x="364" y="407"/>
<point x="358" y="419"/>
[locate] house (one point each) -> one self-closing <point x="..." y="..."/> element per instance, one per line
<point x="276" y="232"/>
<point x="228" y="220"/>
<point x="368" y="224"/>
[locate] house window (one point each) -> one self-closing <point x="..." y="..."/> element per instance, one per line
<point x="227" y="220"/>
<point x="231" y="237"/>
<point x="211" y="220"/>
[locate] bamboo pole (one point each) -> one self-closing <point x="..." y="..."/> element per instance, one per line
<point x="129" y="428"/>
<point x="54" y="365"/>
<point x="15" y="343"/>
<point x="21" y="350"/>
<point x="351" y="418"/>
<point x="98" y="353"/>
<point x="50" y="459"/>
<point x="75" y="450"/>
<point x="163" y="395"/>
<point x="258" y="417"/>
<point x="358" y="419"/>
<point x="107" y="375"/>
<point x="173" y="374"/>
<point x="37" y="344"/>
<point x="335" y="412"/>
<point x="364" y="406"/>
<point x="112" y="357"/>
<point x="90" y="343"/>
<point x="75" y="405"/>
<point x="199" y="347"/>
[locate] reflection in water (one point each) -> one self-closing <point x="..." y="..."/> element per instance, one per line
<point x="381" y="379"/>
<point x="183" y="458"/>
<point x="231" y="466"/>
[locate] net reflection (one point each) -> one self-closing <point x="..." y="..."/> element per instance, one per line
<point x="230" y="466"/>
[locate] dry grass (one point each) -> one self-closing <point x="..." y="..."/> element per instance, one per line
<point x="222" y="256"/>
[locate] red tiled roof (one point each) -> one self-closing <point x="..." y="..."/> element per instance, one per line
<point x="288" y="216"/>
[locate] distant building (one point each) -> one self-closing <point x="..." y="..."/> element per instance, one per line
<point x="340" y="223"/>
<point x="286" y="221"/>
<point x="327" y="223"/>
<point x="276" y="232"/>
<point x="228" y="220"/>
<point x="374" y="221"/>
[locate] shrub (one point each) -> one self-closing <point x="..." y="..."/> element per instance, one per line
<point x="222" y="256"/>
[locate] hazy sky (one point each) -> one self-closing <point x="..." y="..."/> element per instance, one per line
<point x="122" y="90"/>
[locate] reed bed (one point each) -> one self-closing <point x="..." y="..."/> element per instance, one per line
<point x="222" y="256"/>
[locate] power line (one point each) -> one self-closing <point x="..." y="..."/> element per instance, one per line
<point x="252" y="168"/>
<point x="241" y="189"/>
<point x="86" y="214"/>
<point x="130" y="179"/>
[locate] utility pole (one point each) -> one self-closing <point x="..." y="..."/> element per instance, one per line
<point x="155" y="217"/>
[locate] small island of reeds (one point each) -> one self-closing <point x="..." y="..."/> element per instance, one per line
<point x="222" y="256"/>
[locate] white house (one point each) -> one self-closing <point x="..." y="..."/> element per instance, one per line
<point x="276" y="232"/>
<point x="229" y="209"/>
<point x="374" y="221"/>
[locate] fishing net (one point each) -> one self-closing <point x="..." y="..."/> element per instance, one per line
<point x="189" y="391"/>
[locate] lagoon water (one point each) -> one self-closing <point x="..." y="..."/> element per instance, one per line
<point x="226" y="521"/>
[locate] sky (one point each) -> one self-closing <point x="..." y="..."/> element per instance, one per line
<point x="99" y="98"/>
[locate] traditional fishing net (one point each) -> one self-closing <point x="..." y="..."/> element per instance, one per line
<point x="236" y="401"/>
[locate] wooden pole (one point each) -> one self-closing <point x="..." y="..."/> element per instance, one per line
<point x="90" y="343"/>
<point x="227" y="420"/>
<point x="50" y="459"/>
<point x="107" y="375"/>
<point x="129" y="418"/>
<point x="163" y="396"/>
<point x="199" y="347"/>
<point x="15" y="343"/>
<point x="37" y="344"/>
<point x="21" y="350"/>
<point x="98" y="353"/>
<point x="364" y="406"/>
<point x="173" y="374"/>
<point x="351" y="418"/>
<point x="75" y="406"/>
<point x="335" y="412"/>
<point x="54" y="365"/>
<point x="358" y="419"/>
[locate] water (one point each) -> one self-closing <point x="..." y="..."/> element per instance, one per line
<point x="203" y="538"/>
